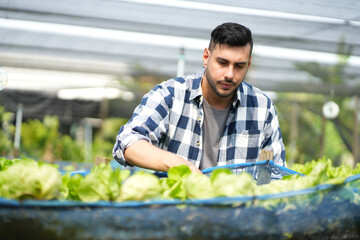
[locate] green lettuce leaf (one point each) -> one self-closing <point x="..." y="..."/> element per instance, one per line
<point x="230" y="185"/>
<point x="27" y="178"/>
<point x="198" y="186"/>
<point x="140" y="186"/>
<point x="103" y="183"/>
<point x="179" y="172"/>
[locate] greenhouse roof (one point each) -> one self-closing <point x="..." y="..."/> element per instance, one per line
<point x="88" y="44"/>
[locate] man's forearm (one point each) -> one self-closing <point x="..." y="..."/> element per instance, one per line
<point x="144" y="154"/>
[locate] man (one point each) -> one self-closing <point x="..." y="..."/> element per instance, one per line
<point x="207" y="119"/>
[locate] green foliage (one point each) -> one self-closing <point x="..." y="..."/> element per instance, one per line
<point x="69" y="187"/>
<point x="6" y="132"/>
<point x="309" y="128"/>
<point x="226" y="184"/>
<point x="37" y="135"/>
<point x="338" y="132"/>
<point x="68" y="149"/>
<point x="42" y="140"/>
<point x="111" y="126"/>
<point x="173" y="186"/>
<point x="334" y="146"/>
<point x="140" y="186"/>
<point x="5" y="163"/>
<point x="198" y="186"/>
<point x="30" y="179"/>
<point x="331" y="171"/>
<point x="105" y="137"/>
<point x="101" y="184"/>
<point x="178" y="173"/>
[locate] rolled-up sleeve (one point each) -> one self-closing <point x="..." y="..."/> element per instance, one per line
<point x="149" y="122"/>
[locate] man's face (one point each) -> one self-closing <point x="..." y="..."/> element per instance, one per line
<point x="225" y="69"/>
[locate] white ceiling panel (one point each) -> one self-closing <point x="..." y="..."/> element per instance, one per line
<point x="120" y="37"/>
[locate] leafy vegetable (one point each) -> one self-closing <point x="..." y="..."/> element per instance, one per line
<point x="5" y="163"/>
<point x="69" y="186"/>
<point x="229" y="185"/>
<point x="26" y="178"/>
<point x="140" y="186"/>
<point x="198" y="186"/>
<point x="30" y="179"/>
<point x="173" y="186"/>
<point x="101" y="184"/>
<point x="179" y="172"/>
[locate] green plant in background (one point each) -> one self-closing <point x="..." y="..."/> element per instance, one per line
<point x="68" y="149"/>
<point x="309" y="128"/>
<point x="334" y="75"/>
<point x="39" y="137"/>
<point x="6" y="132"/>
<point x="104" y="138"/>
<point x="42" y="140"/>
<point x="316" y="135"/>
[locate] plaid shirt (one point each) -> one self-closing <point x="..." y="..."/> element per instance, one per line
<point x="171" y="117"/>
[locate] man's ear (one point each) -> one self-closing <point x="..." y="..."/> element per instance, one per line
<point x="206" y="56"/>
<point x="250" y="61"/>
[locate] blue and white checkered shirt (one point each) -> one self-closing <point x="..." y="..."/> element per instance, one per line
<point x="171" y="117"/>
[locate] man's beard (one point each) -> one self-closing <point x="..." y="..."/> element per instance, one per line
<point x="212" y="84"/>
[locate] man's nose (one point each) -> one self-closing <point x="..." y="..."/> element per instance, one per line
<point x="229" y="73"/>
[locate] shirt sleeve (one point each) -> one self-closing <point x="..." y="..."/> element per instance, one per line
<point x="273" y="138"/>
<point x="149" y="122"/>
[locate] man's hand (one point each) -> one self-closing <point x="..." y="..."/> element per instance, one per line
<point x="177" y="160"/>
<point x="144" y="154"/>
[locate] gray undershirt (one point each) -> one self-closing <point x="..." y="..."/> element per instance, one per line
<point x="213" y="128"/>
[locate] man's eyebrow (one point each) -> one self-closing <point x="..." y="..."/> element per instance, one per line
<point x="242" y="63"/>
<point x="221" y="59"/>
<point x="225" y="60"/>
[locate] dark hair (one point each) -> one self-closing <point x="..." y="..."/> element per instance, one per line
<point x="231" y="34"/>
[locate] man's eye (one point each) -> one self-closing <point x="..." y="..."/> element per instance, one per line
<point x="240" y="66"/>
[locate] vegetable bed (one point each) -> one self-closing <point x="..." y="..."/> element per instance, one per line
<point x="324" y="204"/>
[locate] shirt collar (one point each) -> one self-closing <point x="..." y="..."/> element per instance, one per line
<point x="196" y="92"/>
<point x="240" y="96"/>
